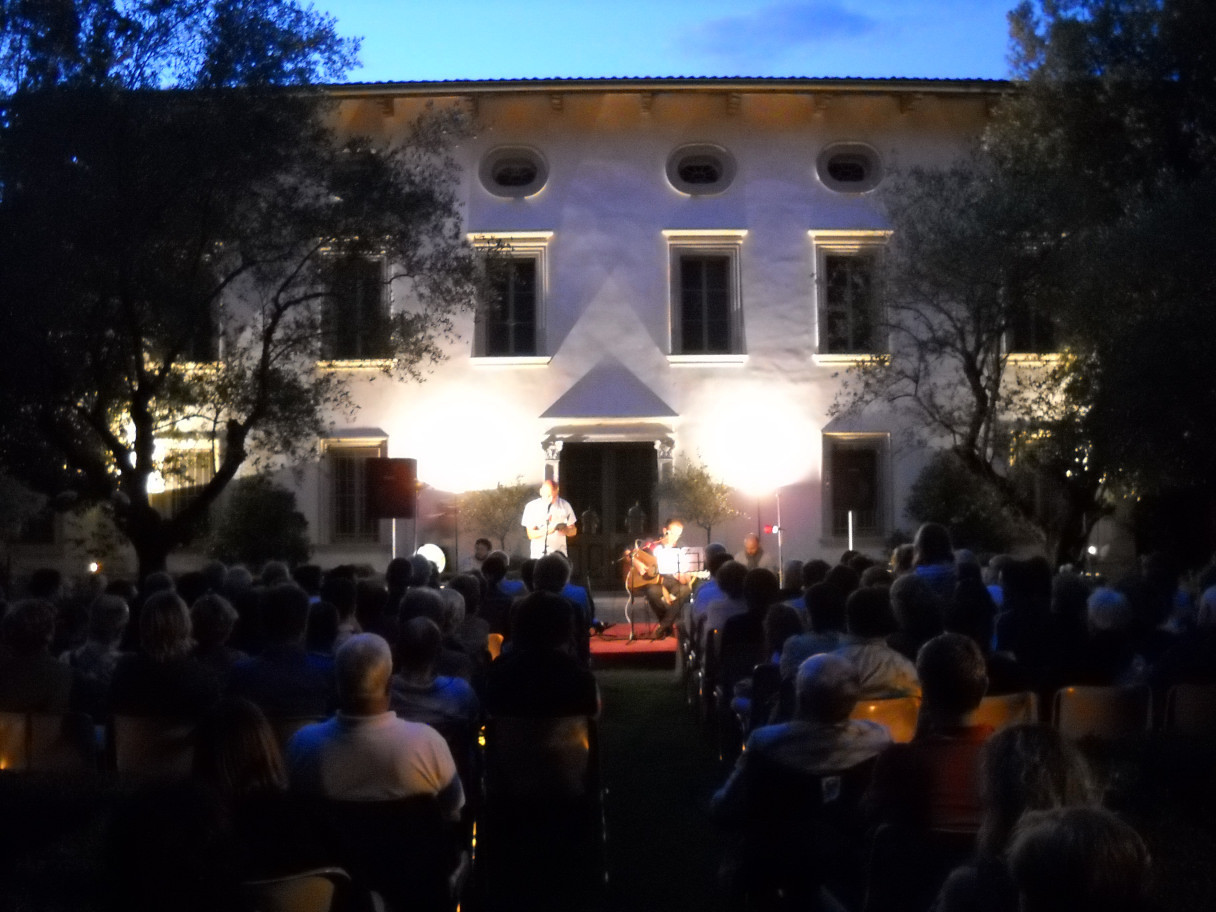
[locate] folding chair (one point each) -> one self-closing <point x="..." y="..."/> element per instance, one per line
<point x="1005" y="710"/>
<point x="1105" y="713"/>
<point x="152" y="746"/>
<point x="306" y="891"/>
<point x="898" y="714"/>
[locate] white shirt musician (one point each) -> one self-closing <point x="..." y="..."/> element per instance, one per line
<point x="549" y="521"/>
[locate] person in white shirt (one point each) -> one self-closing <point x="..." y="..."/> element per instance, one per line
<point x="549" y="521"/>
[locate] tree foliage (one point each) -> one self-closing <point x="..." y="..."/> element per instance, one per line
<point x="947" y="492"/>
<point x="177" y="213"/>
<point x="1086" y="207"/>
<point x="697" y="497"/>
<point x="495" y="512"/>
<point x="258" y="523"/>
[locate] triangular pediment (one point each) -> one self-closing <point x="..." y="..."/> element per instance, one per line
<point x="609" y="390"/>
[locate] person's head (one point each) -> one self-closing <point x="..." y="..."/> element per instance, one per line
<point x="716" y="561"/>
<point x="158" y="581"/>
<point x="164" y="627"/>
<point x="399" y="574"/>
<point x="953" y="677"/>
<point x="235" y="751"/>
<point x="275" y="572"/>
<point x="672" y="530"/>
<point x="715" y="548"/>
<point x="760" y="589"/>
<point x="453" y="609"/>
<point x="469" y="587"/>
<point x="421" y="602"/>
<point x="932" y="545"/>
<point x="751" y="543"/>
<point x="901" y="559"/>
<point x="846" y="579"/>
<point x="543" y="620"/>
<point x="917" y="610"/>
<point x="482" y="548"/>
<point x="285" y="614"/>
<point x="825" y="607"/>
<point x="108" y="618"/>
<point x="972" y="612"/>
<point x="551" y="572"/>
<point x="1205" y="619"/>
<point x="1026" y="768"/>
<point x="419" y="646"/>
<point x="322" y="628"/>
<point x="212" y="618"/>
<point x="1078" y="859"/>
<point x="525" y="573"/>
<point x="29" y="626"/>
<point x="363" y="668"/>
<point x="495" y="567"/>
<point x="548" y="490"/>
<point x="868" y="614"/>
<point x="781" y="621"/>
<point x="215" y="575"/>
<point x="877" y="575"/>
<point x="814" y="571"/>
<point x="339" y="591"/>
<point x="826" y="688"/>
<point x="791" y="574"/>
<point x="730" y="577"/>
<point x="423" y="571"/>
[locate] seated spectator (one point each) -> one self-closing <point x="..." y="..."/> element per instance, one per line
<point x="1108" y="654"/>
<point x="283" y="680"/>
<point x="1022" y="768"/>
<point x="473" y="630"/>
<point x="552" y="574"/>
<point x="163" y="678"/>
<point x="93" y="663"/>
<point x="933" y="560"/>
<point x="419" y="694"/>
<point x="274" y="832"/>
<point x="496" y="606"/>
<point x="933" y="782"/>
<point x="825" y="608"/>
<point x="339" y="591"/>
<point x="429" y="603"/>
<point x="973" y="614"/>
<point x="918" y="611"/>
<point x="1024" y="626"/>
<point x="376" y="608"/>
<point x="31" y="680"/>
<point x="705" y="592"/>
<point x="540" y="676"/>
<point x="213" y="619"/>
<point x="365" y="752"/>
<point x="793" y="839"/>
<point x="730" y="578"/>
<point x="1078" y="860"/>
<point x="884" y="672"/>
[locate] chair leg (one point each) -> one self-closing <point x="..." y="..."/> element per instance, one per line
<point x="629" y="615"/>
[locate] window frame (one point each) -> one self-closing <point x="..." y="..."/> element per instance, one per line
<point x="727" y="243"/>
<point x="880" y="444"/>
<point x="327" y="357"/>
<point x="825" y="243"/>
<point x="519" y="245"/>
<point x="356" y="449"/>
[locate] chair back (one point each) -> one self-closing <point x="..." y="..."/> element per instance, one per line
<point x="152" y="746"/>
<point x="1191" y="709"/>
<point x="14" y="741"/>
<point x="544" y="759"/>
<point x="1103" y="712"/>
<point x="494" y="645"/>
<point x="1004" y="710"/>
<point x="898" y="714"/>
<point x="306" y="891"/>
<point x="403" y="849"/>
<point x="62" y="742"/>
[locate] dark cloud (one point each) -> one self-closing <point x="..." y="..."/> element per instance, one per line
<point x="777" y="30"/>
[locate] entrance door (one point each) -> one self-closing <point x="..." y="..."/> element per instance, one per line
<point x="607" y="478"/>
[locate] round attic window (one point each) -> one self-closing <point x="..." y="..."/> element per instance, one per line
<point x="700" y="169"/>
<point x="513" y="171"/>
<point x="849" y="168"/>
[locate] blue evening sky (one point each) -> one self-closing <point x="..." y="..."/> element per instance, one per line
<point x="405" y="40"/>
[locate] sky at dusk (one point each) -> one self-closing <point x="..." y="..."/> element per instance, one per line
<point x="406" y="40"/>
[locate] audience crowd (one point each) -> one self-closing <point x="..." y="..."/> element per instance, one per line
<point x="312" y="686"/>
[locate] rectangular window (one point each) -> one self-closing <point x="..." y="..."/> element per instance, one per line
<point x="183" y="472"/>
<point x="854" y="482"/>
<point x="509" y="319"/>
<point x="349" y="521"/>
<point x="706" y="310"/>
<point x="850" y="317"/>
<point x="355" y="321"/>
<point x="1031" y="332"/>
<point x="705" y="305"/>
<point x="850" y="314"/>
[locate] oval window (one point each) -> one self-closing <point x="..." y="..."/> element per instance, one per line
<point x="513" y="171"/>
<point x="849" y="168"/>
<point x="700" y="169"/>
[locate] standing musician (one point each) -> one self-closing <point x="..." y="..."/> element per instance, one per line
<point x="549" y="521"/>
<point x="655" y="572"/>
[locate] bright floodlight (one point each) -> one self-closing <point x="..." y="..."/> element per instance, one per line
<point x="434" y="554"/>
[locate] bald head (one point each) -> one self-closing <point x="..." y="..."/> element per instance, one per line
<point x="827" y="687"/>
<point x="363" y="666"/>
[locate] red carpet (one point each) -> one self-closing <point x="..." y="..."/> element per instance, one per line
<point x="614" y="641"/>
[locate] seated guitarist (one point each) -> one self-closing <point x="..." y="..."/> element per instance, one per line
<point x="667" y="593"/>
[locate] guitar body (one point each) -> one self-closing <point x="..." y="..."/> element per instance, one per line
<point x="642" y="570"/>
